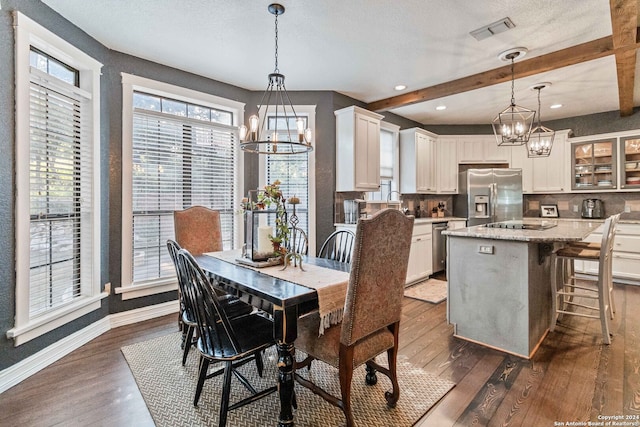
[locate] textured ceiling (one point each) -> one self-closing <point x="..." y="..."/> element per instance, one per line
<point x="363" y="48"/>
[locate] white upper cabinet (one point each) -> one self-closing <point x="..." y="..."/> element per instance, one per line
<point x="550" y="173"/>
<point x="482" y="149"/>
<point x="446" y="165"/>
<point x="357" y="149"/>
<point x="520" y="160"/>
<point x="417" y="159"/>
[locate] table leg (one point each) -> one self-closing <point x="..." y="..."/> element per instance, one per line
<point x="285" y="331"/>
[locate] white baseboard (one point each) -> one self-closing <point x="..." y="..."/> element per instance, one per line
<point x="45" y="357"/>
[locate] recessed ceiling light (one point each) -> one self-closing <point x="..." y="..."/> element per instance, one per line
<point x="554" y="106"/>
<point x="400" y="87"/>
<point x="441" y="107"/>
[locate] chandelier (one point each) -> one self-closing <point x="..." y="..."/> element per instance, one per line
<point x="513" y="125"/>
<point x="541" y="140"/>
<point x="286" y="133"/>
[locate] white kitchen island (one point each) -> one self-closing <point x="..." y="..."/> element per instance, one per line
<point x="499" y="292"/>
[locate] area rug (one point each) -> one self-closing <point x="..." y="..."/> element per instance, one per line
<point x="431" y="290"/>
<point x="168" y="389"/>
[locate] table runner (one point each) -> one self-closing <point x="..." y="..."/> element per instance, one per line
<point x="331" y="285"/>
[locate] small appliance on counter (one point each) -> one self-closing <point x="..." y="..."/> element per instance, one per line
<point x="351" y="211"/>
<point x="592" y="209"/>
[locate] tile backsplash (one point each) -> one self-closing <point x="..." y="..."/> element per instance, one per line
<point x="569" y="204"/>
<point x="420" y="205"/>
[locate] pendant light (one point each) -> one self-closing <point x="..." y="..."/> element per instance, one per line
<point x="512" y="126"/>
<point x="288" y="133"/>
<point x="541" y="140"/>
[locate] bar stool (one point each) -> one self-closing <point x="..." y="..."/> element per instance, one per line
<point x="569" y="266"/>
<point x="564" y="294"/>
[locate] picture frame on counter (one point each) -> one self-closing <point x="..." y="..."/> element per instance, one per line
<point x="549" y="211"/>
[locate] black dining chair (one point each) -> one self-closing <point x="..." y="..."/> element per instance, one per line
<point x="230" y="342"/>
<point x="338" y="246"/>
<point x="300" y="244"/>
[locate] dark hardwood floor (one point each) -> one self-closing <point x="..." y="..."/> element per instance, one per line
<point x="572" y="377"/>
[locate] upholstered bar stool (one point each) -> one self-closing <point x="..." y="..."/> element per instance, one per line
<point x="584" y="298"/>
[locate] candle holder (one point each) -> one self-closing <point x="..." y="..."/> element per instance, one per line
<point x="292" y="254"/>
<point x="259" y="248"/>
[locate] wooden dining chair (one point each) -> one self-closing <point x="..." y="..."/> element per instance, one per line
<point x="338" y="246"/>
<point x="198" y="230"/>
<point x="591" y="299"/>
<point x="230" y="342"/>
<point x="299" y="244"/>
<point x="372" y="310"/>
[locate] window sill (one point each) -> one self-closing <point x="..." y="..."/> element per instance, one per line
<point x="146" y="289"/>
<point x="46" y="323"/>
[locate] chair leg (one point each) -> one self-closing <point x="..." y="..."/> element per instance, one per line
<point x="259" y="363"/>
<point x="346" y="374"/>
<point x="392" y="357"/>
<point x="187" y="343"/>
<point x="371" y="378"/>
<point x="555" y="265"/>
<point x="226" y="391"/>
<point x="204" y="367"/>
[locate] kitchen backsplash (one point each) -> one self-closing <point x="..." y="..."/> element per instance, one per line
<point x="569" y="204"/>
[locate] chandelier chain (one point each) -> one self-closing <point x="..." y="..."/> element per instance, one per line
<point x="539" y="109"/>
<point x="276" y="70"/>
<point x="513" y="97"/>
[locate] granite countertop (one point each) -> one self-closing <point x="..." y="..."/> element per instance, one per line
<point x="416" y="221"/>
<point x="562" y="231"/>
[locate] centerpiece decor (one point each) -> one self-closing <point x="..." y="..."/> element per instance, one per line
<point x="263" y="243"/>
<point x="293" y="254"/>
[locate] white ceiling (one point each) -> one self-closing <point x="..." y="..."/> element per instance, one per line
<point x="363" y="48"/>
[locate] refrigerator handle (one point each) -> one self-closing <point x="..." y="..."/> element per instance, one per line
<point x="493" y="198"/>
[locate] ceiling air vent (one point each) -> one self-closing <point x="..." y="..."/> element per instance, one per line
<point x="493" y="29"/>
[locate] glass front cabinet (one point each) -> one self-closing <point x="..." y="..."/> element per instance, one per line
<point x="594" y="165"/>
<point x="630" y="162"/>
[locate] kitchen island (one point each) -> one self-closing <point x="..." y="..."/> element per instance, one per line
<point x="499" y="292"/>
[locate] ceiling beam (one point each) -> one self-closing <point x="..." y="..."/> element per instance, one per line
<point x="624" y="18"/>
<point x="584" y="52"/>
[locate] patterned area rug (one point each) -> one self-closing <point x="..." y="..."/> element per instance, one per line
<point x="168" y="389"/>
<point x="431" y="290"/>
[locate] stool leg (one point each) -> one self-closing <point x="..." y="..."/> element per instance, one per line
<point x="603" y="304"/>
<point x="555" y="274"/>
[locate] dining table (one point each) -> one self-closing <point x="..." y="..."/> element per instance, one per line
<point x="283" y="297"/>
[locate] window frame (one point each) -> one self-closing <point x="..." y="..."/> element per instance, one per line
<point x="130" y="84"/>
<point x="30" y="34"/>
<point x="308" y="111"/>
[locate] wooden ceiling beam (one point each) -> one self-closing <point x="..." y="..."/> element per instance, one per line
<point x="624" y="18"/>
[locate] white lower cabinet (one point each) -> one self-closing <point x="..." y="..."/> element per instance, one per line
<point x="420" y="256"/>
<point x="626" y="254"/>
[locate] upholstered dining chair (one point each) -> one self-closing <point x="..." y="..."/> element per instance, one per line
<point x="338" y="246"/>
<point x="230" y="342"/>
<point x="591" y="299"/>
<point x="198" y="230"/>
<point x="372" y="309"/>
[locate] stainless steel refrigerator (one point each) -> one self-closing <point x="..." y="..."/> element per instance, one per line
<point x="489" y="195"/>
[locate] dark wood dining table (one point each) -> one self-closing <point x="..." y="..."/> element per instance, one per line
<point x="285" y="301"/>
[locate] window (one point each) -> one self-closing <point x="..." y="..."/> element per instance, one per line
<point x="389" y="160"/>
<point x="295" y="172"/>
<point x="57" y="182"/>
<point x="180" y="149"/>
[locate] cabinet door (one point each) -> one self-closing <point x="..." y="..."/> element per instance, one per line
<point x="630" y="162"/>
<point x="593" y="165"/>
<point x="470" y="151"/>
<point x="493" y="153"/>
<point x="367" y="153"/>
<point x="549" y="172"/>
<point x="420" y="259"/>
<point x="520" y="160"/>
<point x="446" y="167"/>
<point x="425" y="159"/>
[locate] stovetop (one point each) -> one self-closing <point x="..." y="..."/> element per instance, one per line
<point x="521" y="225"/>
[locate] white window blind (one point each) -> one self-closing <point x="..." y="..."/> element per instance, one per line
<point x="177" y="162"/>
<point x="293" y="173"/>
<point x="61" y="182"/>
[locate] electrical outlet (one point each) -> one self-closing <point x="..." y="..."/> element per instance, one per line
<point x="575" y="208"/>
<point x="485" y="249"/>
<point x="627" y="207"/>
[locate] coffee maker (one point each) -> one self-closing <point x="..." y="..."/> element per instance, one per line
<point x="592" y="209"/>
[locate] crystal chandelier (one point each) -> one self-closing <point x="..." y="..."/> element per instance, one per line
<point x="513" y="125"/>
<point x="541" y="140"/>
<point x="287" y="133"/>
